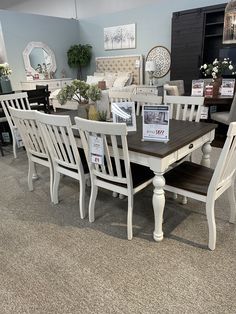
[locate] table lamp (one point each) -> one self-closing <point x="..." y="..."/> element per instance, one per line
<point x="150" y="67"/>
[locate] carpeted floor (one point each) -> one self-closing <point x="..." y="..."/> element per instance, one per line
<point x="51" y="261"/>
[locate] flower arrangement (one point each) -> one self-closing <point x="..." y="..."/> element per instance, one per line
<point x="217" y="68"/>
<point x="5" y="69"/>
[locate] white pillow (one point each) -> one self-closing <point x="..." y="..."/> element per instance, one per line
<point x="109" y="81"/>
<point x="120" y="81"/>
<point x="99" y="74"/>
<point x="129" y="74"/>
<point x="93" y="79"/>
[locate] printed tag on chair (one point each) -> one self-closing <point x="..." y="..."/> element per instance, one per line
<point x="18" y="138"/>
<point x="96" y="150"/>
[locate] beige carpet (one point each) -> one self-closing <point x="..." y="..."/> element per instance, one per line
<point x="51" y="261"/>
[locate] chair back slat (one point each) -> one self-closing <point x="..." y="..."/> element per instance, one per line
<point x="226" y="165"/>
<point x="115" y="150"/>
<point x="26" y="122"/>
<point x="184" y="107"/>
<point x="144" y="99"/>
<point x="60" y="140"/>
<point x="119" y="96"/>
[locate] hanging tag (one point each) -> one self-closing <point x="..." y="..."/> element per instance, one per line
<point x="96" y="150"/>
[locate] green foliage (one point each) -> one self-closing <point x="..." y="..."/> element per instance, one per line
<point x="79" y="91"/>
<point x="102" y="115"/>
<point x="94" y="93"/>
<point x="76" y="90"/>
<point x="79" y="56"/>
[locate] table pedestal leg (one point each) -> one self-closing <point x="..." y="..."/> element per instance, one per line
<point x="158" y="202"/>
<point x="206" y="150"/>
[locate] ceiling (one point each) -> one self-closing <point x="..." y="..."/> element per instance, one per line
<point x="71" y="8"/>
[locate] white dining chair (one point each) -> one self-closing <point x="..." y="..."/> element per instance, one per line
<point x="119" y="96"/>
<point x="37" y="153"/>
<point x="66" y="158"/>
<point x="18" y="101"/>
<point x="186" y="108"/>
<point x="226" y="117"/>
<point x="205" y="184"/>
<point x="144" y="99"/>
<point x="116" y="173"/>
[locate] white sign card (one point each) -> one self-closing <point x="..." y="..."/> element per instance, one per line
<point x="204" y="112"/>
<point x="124" y="112"/>
<point x="156" y="123"/>
<point x="18" y="138"/>
<point x="96" y="150"/>
<point x="227" y="87"/>
<point x="197" y="88"/>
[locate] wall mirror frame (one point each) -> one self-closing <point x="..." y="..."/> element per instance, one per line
<point x="28" y="50"/>
<point x="162" y="58"/>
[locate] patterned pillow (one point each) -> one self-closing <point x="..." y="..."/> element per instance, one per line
<point x="121" y="81"/>
<point x="94" y="79"/>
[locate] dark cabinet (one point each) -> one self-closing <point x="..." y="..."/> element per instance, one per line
<point x="196" y="39"/>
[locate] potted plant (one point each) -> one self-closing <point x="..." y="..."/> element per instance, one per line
<point x="79" y="56"/>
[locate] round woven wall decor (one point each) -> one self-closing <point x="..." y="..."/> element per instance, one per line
<point x="161" y="56"/>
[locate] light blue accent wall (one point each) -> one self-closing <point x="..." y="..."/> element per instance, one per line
<point x="19" y="29"/>
<point x="153" y="27"/>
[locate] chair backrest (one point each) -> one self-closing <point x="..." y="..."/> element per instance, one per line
<point x="114" y="136"/>
<point x="226" y="165"/>
<point x="18" y="101"/>
<point x="144" y="99"/>
<point x="119" y="96"/>
<point x="26" y="122"/>
<point x="170" y="90"/>
<point x="232" y="112"/>
<point x="184" y="107"/>
<point x="179" y="84"/>
<point x="60" y="141"/>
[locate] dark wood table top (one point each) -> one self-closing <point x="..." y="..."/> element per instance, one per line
<point x="181" y="134"/>
<point x="220" y="100"/>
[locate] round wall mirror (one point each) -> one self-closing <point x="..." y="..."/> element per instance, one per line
<point x="38" y="57"/>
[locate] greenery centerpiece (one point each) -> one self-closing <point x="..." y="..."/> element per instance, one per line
<point x="83" y="93"/>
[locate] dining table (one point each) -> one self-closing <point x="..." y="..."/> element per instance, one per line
<point x="184" y="138"/>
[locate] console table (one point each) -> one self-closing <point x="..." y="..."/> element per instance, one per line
<point x="53" y="84"/>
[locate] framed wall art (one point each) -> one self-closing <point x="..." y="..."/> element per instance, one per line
<point x="119" y="37"/>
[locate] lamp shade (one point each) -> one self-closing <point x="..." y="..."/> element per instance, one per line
<point x="150" y="66"/>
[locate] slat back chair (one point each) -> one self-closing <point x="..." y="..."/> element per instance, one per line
<point x="116" y="173"/>
<point x="184" y="107"/>
<point x="206" y="185"/>
<point x="116" y="96"/>
<point x="25" y="121"/>
<point x="143" y="99"/>
<point x="226" y="117"/>
<point x="65" y="156"/>
<point x="18" y="101"/>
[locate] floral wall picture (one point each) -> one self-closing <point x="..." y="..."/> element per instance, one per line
<point x="119" y="37"/>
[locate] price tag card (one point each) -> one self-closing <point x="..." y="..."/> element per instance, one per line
<point x="156" y="123"/>
<point x="227" y="87"/>
<point x="96" y="149"/>
<point x="197" y="87"/>
<point x="204" y="112"/>
<point x="18" y="138"/>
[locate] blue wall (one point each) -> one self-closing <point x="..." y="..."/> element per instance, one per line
<point x="19" y="29"/>
<point x="153" y="27"/>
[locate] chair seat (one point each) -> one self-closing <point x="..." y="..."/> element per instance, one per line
<point x="190" y="177"/>
<point x="140" y="174"/>
<point x="222" y="117"/>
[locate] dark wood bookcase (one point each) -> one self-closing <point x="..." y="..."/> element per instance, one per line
<point x="197" y="36"/>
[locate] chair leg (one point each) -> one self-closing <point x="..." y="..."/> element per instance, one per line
<point x="130" y="217"/>
<point x="51" y="183"/>
<point x="115" y="194"/>
<point x="56" y="182"/>
<point x="82" y="197"/>
<point x="184" y="200"/>
<point x="232" y="203"/>
<point x="30" y="174"/>
<point x="210" y="212"/>
<point x="93" y="196"/>
<point x="14" y="145"/>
